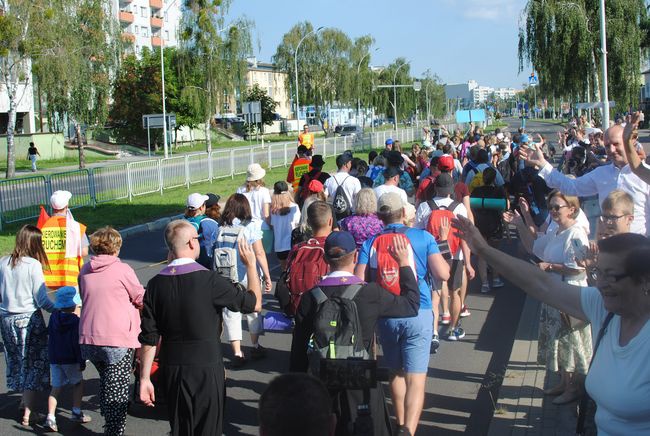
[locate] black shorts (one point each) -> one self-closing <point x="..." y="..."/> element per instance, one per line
<point x="456" y="267"/>
<point x="282" y="255"/>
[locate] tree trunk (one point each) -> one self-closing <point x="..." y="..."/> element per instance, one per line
<point x="80" y="148"/>
<point x="208" y="139"/>
<point x="11" y="128"/>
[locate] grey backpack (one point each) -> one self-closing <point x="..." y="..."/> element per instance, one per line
<point x="224" y="260"/>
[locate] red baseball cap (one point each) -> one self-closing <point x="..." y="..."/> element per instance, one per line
<point x="446" y="163"/>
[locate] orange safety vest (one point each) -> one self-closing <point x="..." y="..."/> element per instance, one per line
<point x="306" y="139"/>
<point x="298" y="168"/>
<point x="63" y="270"/>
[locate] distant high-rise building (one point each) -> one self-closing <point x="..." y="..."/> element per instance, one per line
<point x="148" y="23"/>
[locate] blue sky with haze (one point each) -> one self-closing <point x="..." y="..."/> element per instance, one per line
<point x="457" y="39"/>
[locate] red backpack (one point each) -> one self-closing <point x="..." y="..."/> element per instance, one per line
<point x="426" y="187"/>
<point x="305" y="267"/>
<point x="386" y="271"/>
<point x="433" y="226"/>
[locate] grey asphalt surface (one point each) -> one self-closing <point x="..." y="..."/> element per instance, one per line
<point x="460" y="383"/>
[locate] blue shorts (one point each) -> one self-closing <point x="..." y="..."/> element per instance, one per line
<point x="65" y="374"/>
<point x="406" y="342"/>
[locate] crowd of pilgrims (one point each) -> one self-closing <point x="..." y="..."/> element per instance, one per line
<point x="401" y="234"/>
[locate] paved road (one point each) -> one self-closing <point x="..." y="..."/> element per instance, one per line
<point x="459" y="387"/>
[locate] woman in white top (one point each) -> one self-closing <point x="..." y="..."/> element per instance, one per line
<point x="257" y="194"/>
<point x="22" y="296"/>
<point x="564" y="345"/>
<point x="619" y="377"/>
<point x="285" y="216"/>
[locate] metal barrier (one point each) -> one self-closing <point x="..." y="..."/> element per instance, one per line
<point x="20" y="198"/>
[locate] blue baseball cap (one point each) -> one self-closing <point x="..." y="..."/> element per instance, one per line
<point x="389" y="141"/>
<point x="339" y="244"/>
<point x="67" y="296"/>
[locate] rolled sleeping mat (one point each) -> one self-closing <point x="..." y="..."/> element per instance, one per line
<point x="487" y="203"/>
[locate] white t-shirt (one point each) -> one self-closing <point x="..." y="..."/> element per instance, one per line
<point x="563" y="248"/>
<point x="424" y="211"/>
<point x="382" y="189"/>
<point x="283" y="225"/>
<point x="257" y="199"/>
<point x="351" y="186"/>
<point x="619" y="378"/>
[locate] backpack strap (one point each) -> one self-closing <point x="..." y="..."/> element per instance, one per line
<point x="453" y="205"/>
<point x="584" y="401"/>
<point x="432" y="205"/>
<point x="351" y="292"/>
<point x="319" y="295"/>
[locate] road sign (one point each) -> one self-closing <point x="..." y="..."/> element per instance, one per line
<point x="533" y="80"/>
<point x="417" y="85"/>
<point x="252" y="107"/>
<point x="476" y="115"/>
<point x="155" y="121"/>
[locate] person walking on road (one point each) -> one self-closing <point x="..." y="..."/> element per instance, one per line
<point x="33" y="155"/>
<point x="183" y="304"/>
<point x="65" y="243"/>
<point x="24" y="334"/>
<point x="110" y="322"/>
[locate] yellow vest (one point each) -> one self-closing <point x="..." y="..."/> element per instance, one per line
<point x="306" y="139"/>
<point x="63" y="270"/>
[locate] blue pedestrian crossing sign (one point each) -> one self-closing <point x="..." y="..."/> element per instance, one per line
<point x="533" y="80"/>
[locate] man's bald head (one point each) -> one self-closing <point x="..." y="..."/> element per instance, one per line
<point x="614" y="145"/>
<point x="181" y="239"/>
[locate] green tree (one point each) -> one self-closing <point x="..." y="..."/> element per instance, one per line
<point x="561" y="40"/>
<point x="213" y="65"/>
<point x="255" y="93"/>
<point x="76" y="76"/>
<point x="25" y="33"/>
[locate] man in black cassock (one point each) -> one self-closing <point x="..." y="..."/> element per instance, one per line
<point x="183" y="305"/>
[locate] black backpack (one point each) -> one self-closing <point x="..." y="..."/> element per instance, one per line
<point x="504" y="169"/>
<point x="337" y="329"/>
<point x="341" y="202"/>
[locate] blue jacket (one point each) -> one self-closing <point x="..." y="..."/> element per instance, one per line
<point x="63" y="341"/>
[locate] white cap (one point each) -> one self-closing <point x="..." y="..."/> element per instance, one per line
<point x="196" y="200"/>
<point x="59" y="199"/>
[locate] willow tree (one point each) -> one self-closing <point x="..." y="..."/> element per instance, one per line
<point x="26" y="32"/>
<point x="215" y="64"/>
<point x="561" y="40"/>
<point x="76" y="75"/>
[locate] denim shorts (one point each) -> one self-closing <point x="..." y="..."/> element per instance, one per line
<point x="406" y="342"/>
<point x="68" y="374"/>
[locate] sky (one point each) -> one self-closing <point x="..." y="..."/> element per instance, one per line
<point x="459" y="40"/>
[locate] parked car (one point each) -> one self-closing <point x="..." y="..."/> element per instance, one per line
<point x="350" y="130"/>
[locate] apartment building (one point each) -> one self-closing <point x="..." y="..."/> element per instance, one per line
<point x="272" y="81"/>
<point x="148" y="23"/>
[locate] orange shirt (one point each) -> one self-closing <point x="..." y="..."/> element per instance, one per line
<point x="299" y="166"/>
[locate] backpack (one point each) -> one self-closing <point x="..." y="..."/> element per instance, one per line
<point x="505" y="170"/>
<point x="375" y="171"/>
<point x="426" y="187"/>
<point x="224" y="259"/>
<point x="386" y="272"/>
<point x="341" y="203"/>
<point x="337" y="328"/>
<point x="433" y="226"/>
<point x="487" y="221"/>
<point x="305" y="267"/>
<point x="477" y="181"/>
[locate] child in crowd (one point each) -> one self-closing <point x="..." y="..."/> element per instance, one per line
<point x="285" y="216"/>
<point x="66" y="364"/>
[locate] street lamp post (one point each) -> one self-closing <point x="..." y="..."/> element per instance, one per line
<point x="426" y="94"/>
<point x="162" y="78"/>
<point x="603" y="63"/>
<point x="295" y="62"/>
<point x="395" y="94"/>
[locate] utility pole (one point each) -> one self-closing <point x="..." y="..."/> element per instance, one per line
<point x="603" y="63"/>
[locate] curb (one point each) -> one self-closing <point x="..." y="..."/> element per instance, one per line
<point x="152" y="226"/>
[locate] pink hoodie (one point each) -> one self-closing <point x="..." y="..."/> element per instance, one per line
<point x="111" y="295"/>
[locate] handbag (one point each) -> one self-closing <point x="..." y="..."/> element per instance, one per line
<point x="584" y="401"/>
<point x="282" y="292"/>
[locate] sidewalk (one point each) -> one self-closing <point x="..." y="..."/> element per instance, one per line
<point x="522" y="408"/>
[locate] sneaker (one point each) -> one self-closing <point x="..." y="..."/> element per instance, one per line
<point x="237" y="361"/>
<point x="485" y="288"/>
<point x="497" y="283"/>
<point x="445" y="319"/>
<point x="81" y="418"/>
<point x="403" y="431"/>
<point x="50" y="425"/>
<point x="258" y="352"/>
<point x="456" y="334"/>
<point x="435" y="343"/>
<point x="464" y="312"/>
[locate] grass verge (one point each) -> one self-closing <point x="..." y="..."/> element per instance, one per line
<point x="145" y="208"/>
